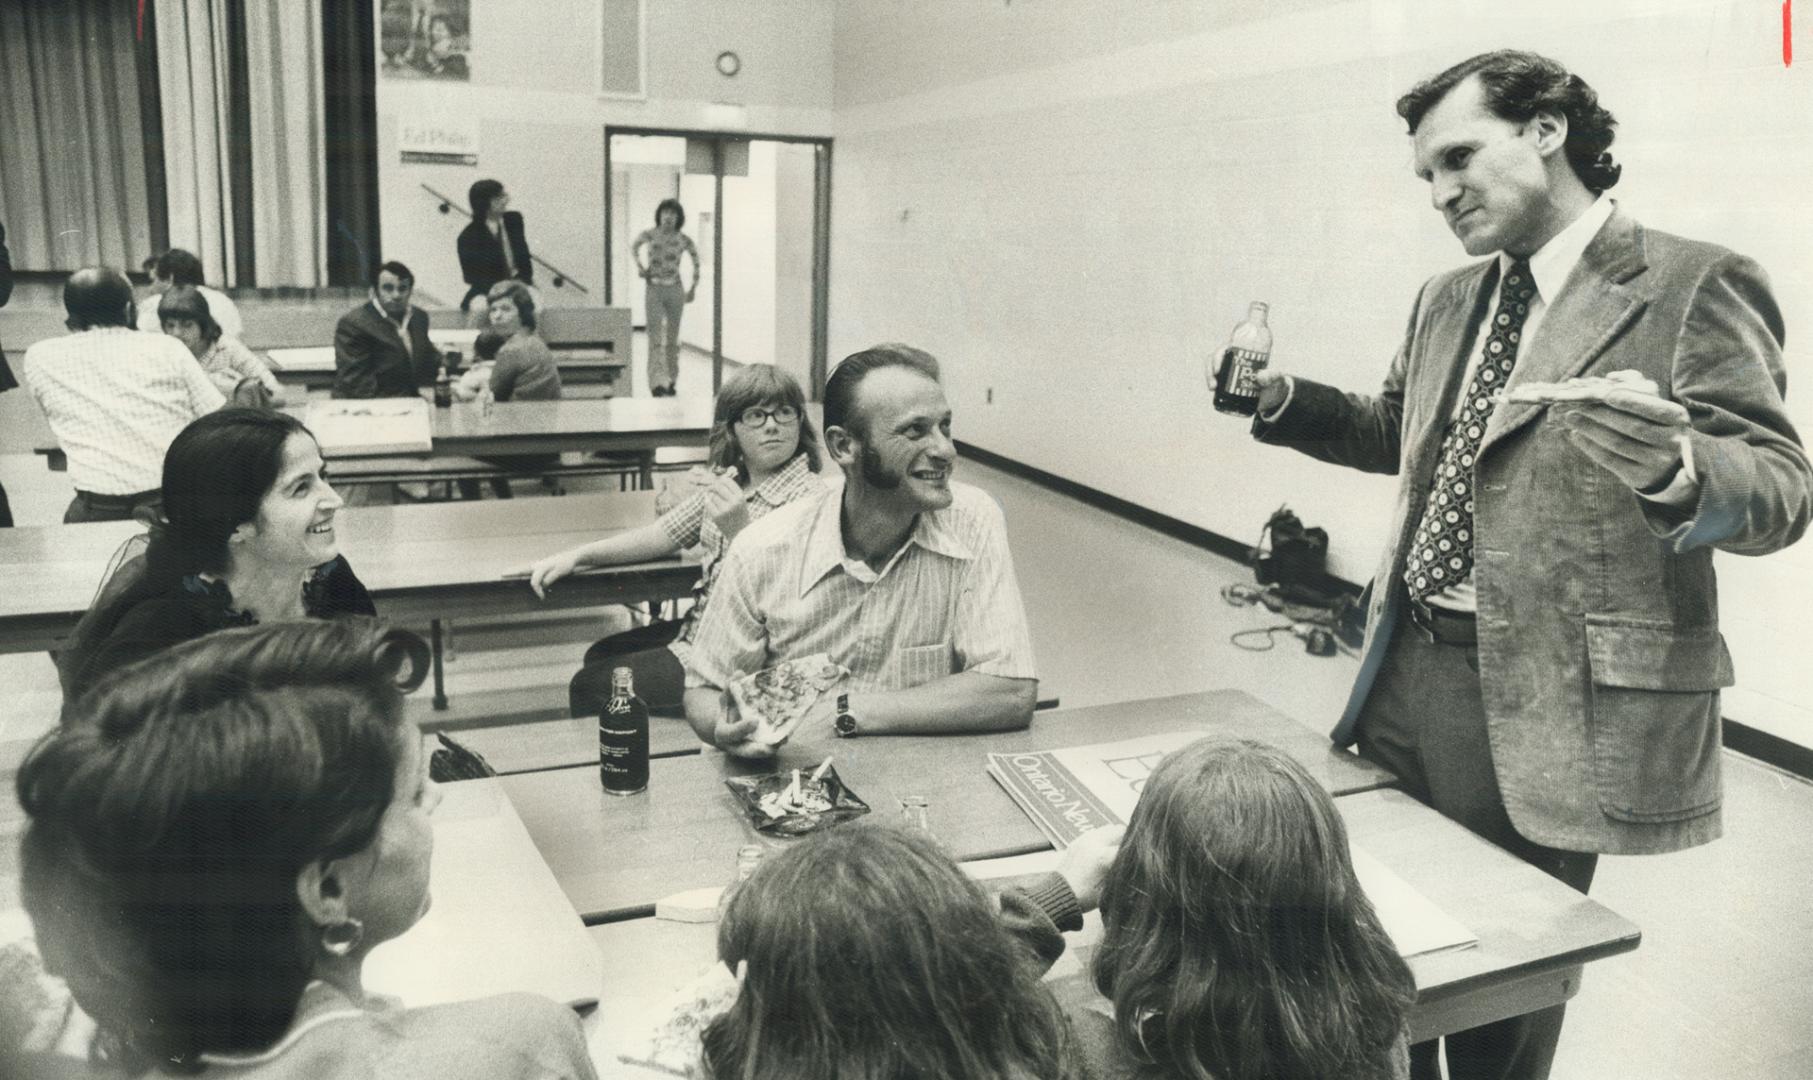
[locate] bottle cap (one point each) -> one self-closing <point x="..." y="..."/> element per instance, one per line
<point x="623" y="679"/>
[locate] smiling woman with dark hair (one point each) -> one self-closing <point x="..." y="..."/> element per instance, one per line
<point x="219" y="838"/>
<point x="246" y="536"/>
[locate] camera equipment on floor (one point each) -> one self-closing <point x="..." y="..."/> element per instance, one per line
<point x="1290" y="563"/>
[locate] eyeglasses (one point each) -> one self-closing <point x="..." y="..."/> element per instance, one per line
<point x="757" y="416"/>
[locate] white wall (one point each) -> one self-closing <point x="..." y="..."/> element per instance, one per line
<point x="541" y="126"/>
<point x="1072" y="205"/>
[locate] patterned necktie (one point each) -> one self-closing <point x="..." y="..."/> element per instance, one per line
<point x="1442" y="552"/>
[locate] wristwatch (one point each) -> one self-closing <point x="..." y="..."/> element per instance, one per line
<point x="845" y="724"/>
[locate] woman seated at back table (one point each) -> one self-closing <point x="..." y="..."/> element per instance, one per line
<point x="220" y="837"/>
<point x="247" y="536"/>
<point x="765" y="454"/>
<point x="242" y="377"/>
<point x="523" y="369"/>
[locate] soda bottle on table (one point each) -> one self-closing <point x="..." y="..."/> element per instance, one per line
<point x="1235" y="375"/>
<point x="623" y="738"/>
<point x="749" y="856"/>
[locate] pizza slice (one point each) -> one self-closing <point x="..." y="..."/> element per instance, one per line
<point x="780" y="696"/>
<point x="1584" y="388"/>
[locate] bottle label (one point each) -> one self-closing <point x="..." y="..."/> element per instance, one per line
<point x="617" y="706"/>
<point x="1243" y="374"/>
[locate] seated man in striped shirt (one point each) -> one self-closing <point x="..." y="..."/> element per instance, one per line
<point x="900" y="575"/>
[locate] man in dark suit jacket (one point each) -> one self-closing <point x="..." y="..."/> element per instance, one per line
<point x="7" y="382"/>
<point x="1543" y="660"/>
<point x="381" y="348"/>
<point x="492" y="248"/>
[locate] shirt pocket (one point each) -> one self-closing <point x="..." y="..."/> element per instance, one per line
<point x="923" y="663"/>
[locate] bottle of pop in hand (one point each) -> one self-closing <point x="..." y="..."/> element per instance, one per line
<point x="1235" y="379"/>
<point x="623" y="738"/>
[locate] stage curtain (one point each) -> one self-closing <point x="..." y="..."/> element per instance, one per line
<point x="73" y="175"/>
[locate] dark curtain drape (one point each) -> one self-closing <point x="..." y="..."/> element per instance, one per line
<point x="74" y="187"/>
<point x="350" y="131"/>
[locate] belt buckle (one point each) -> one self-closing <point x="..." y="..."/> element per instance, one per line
<point x="1423" y="619"/>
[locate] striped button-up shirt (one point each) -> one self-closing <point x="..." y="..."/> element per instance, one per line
<point x="115" y="398"/>
<point x="688" y="525"/>
<point x="946" y="602"/>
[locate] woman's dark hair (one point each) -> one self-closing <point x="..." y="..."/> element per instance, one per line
<point x="178" y="267"/>
<point x="846" y="380"/>
<point x="170" y="820"/>
<point x="187" y="302"/>
<point x="1517" y="86"/>
<point x="674" y="205"/>
<point x="480" y="195"/>
<point x="1236" y="941"/>
<point x="517" y="293"/>
<point x="871" y="954"/>
<point x="752" y="385"/>
<point x="216" y="474"/>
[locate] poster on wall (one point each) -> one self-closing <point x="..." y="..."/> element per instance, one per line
<point x="425" y="39"/>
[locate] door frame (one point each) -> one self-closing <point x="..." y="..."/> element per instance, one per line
<point x="821" y="237"/>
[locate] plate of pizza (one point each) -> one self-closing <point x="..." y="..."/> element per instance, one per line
<point x="780" y="696"/>
<point x="1584" y="388"/>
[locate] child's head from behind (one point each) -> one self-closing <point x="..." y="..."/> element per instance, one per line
<point x="1236" y="939"/>
<point x="870" y="953"/>
<point x="488" y="342"/>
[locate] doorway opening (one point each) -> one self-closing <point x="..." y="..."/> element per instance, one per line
<point x="758" y="213"/>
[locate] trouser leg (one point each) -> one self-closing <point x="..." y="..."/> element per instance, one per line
<point x="663" y="337"/>
<point x="1425" y="720"/>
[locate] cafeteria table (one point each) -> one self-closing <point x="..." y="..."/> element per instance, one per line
<point x="615" y="856"/>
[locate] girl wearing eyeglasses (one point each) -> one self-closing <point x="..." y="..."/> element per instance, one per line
<point x="764" y="454"/>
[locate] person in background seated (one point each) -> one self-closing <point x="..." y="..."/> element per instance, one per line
<point x="218" y="840"/>
<point x="901" y="576"/>
<point x="114" y="397"/>
<point x="867" y="952"/>
<point x="764" y="454"/>
<point x="235" y="370"/>
<point x="1236" y="941"/>
<point x="492" y="247"/>
<point x="521" y="369"/>
<point x="246" y="536"/>
<point x="665" y="299"/>
<point x="525" y="369"/>
<point x="178" y="267"/>
<point x="381" y="348"/>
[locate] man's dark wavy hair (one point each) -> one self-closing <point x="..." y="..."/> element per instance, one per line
<point x="1517" y="86"/>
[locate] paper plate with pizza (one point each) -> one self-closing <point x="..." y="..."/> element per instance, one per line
<point x="1583" y="388"/>
<point x="778" y="697"/>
